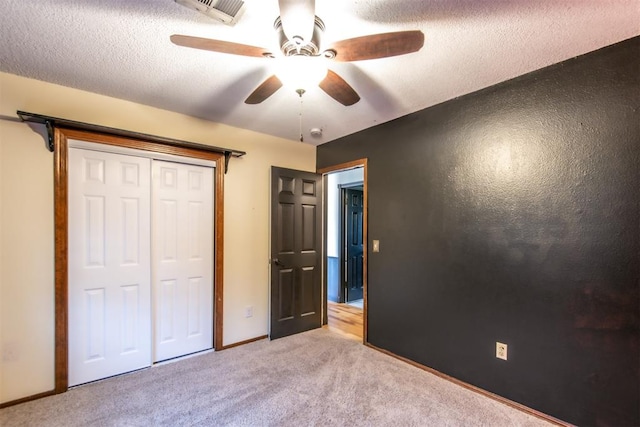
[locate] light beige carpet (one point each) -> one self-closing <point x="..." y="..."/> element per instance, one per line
<point x="310" y="379"/>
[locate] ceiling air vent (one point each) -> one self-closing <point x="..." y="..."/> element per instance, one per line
<point x="226" y="11"/>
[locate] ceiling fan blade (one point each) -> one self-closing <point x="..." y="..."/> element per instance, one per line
<point x="219" y="46"/>
<point x="298" y="18"/>
<point x="265" y="90"/>
<point x="378" y="46"/>
<point x="338" y="89"/>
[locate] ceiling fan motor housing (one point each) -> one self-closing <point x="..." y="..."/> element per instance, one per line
<point x="297" y="46"/>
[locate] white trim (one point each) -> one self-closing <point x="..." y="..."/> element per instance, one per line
<point x="75" y="143"/>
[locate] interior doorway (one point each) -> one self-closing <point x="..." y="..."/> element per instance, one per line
<point x="345" y="248"/>
<point x="351" y="244"/>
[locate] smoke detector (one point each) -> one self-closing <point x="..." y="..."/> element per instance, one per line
<point x="226" y="11"/>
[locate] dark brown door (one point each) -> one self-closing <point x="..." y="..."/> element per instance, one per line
<point x="352" y="243"/>
<point x="296" y="239"/>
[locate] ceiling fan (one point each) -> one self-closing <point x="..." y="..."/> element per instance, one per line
<point x="299" y="33"/>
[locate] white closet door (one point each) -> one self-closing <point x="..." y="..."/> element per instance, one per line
<point x="182" y="259"/>
<point x="109" y="258"/>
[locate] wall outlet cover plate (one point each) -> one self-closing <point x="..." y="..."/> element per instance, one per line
<point x="501" y="351"/>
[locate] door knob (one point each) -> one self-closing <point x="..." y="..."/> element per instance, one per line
<point x="277" y="262"/>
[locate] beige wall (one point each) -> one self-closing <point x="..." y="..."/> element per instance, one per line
<point x="26" y="218"/>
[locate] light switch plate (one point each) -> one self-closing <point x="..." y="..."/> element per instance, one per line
<point x="376" y="246"/>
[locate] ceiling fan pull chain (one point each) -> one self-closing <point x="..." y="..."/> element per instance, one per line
<point x="301" y="136"/>
<point x="300" y="92"/>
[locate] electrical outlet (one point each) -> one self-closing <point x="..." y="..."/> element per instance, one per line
<point x="248" y="311"/>
<point x="501" y="351"/>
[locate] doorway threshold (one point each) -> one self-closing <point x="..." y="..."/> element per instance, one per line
<point x="356" y="303"/>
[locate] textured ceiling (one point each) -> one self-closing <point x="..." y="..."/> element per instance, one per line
<point x="121" y="48"/>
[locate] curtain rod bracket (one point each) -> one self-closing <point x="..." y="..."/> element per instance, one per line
<point x="52" y="122"/>
<point x="50" y="135"/>
<point x="227" y="156"/>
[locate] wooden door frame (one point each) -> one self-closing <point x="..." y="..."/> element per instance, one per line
<point x="365" y="230"/>
<point x="61" y="233"/>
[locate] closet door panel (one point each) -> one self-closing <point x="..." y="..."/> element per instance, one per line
<point x="182" y="259"/>
<point x="108" y="264"/>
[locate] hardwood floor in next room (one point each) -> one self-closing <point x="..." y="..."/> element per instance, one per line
<point x="345" y="319"/>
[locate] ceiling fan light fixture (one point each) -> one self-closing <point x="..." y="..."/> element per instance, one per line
<point x="301" y="71"/>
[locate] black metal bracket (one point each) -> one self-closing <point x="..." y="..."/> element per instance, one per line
<point x="50" y="135"/>
<point x="227" y="156"/>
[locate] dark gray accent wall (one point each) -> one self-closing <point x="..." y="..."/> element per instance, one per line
<point x="513" y="214"/>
